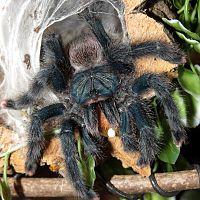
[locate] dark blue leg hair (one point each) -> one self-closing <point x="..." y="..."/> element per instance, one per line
<point x="127" y="132"/>
<point x="91" y="119"/>
<point x="69" y="150"/>
<point x="148" y="142"/>
<point x="97" y="29"/>
<point x="89" y="142"/>
<point x="36" y="142"/>
<point x="161" y="87"/>
<point x="53" y="53"/>
<point x="105" y="41"/>
<point x="52" y="61"/>
<point x="46" y="76"/>
<point x="39" y="83"/>
<point x="162" y="50"/>
<point x="110" y="111"/>
<point x="121" y="68"/>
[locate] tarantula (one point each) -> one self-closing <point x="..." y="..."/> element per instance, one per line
<point x="94" y="73"/>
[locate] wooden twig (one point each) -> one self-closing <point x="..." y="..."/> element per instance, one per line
<point x="59" y="187"/>
<point x="173" y="181"/>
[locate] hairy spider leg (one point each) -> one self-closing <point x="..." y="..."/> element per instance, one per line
<point x="160" y="85"/>
<point x="110" y="110"/>
<point x="127" y="132"/>
<point x="39" y="83"/>
<point x="69" y="150"/>
<point x="97" y="29"/>
<point x="162" y="50"/>
<point x="137" y="129"/>
<point x="91" y="144"/>
<point x="106" y="43"/>
<point x="92" y="88"/>
<point x="36" y="140"/>
<point x="91" y="119"/>
<point x="108" y="107"/>
<point x="148" y="142"/>
<point x="36" y="146"/>
<point x="52" y="60"/>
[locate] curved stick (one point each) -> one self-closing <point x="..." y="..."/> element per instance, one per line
<point x="158" y="189"/>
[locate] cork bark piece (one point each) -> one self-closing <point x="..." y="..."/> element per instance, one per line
<point x="52" y="155"/>
<point x="129" y="159"/>
<point x="140" y="28"/>
<point x="131" y="5"/>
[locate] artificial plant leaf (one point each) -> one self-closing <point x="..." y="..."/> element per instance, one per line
<point x="179" y="27"/>
<point x="189" y="81"/>
<point x="182" y="164"/>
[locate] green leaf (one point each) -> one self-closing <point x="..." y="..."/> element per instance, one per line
<point x="113" y="167"/>
<point x="197" y="68"/>
<point x="80" y="148"/>
<point x="191" y="195"/>
<point x="179" y="27"/>
<point x="91" y="172"/>
<point x="5" y="191"/>
<point x="193" y="119"/>
<point x="198" y="17"/>
<point x="155" y="196"/>
<point x="178" y="4"/>
<point x="195" y="44"/>
<point x="186" y="13"/>
<point x="180" y="103"/>
<point x="169" y="152"/>
<point x="188" y="108"/>
<point x="86" y="165"/>
<point x="193" y="15"/>
<point x="189" y="81"/>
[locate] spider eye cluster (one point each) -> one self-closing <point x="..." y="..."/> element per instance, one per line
<point x="94" y="85"/>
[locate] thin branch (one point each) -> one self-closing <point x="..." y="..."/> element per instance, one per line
<point x="59" y="187"/>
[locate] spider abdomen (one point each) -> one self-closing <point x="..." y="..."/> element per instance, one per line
<point x="85" y="52"/>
